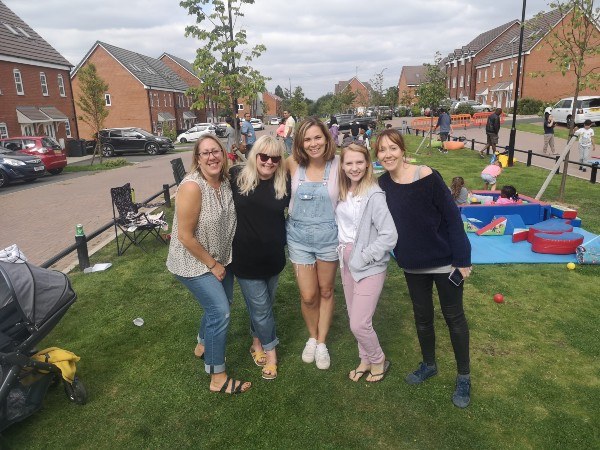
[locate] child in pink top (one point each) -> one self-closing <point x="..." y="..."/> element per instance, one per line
<point x="508" y="195"/>
<point x="490" y="174"/>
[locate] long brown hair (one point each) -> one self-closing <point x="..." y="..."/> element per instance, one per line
<point x="224" y="174"/>
<point x="298" y="152"/>
<point x="455" y="187"/>
<point x="366" y="181"/>
<point x="394" y="136"/>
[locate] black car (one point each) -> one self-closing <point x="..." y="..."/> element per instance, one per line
<point x="16" y="166"/>
<point x="120" y="140"/>
<point x="220" y="129"/>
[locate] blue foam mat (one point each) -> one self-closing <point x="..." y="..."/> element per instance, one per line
<point x="501" y="250"/>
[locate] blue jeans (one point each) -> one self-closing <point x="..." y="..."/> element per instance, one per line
<point x="288" y="144"/>
<point x="260" y="297"/>
<point x="214" y="297"/>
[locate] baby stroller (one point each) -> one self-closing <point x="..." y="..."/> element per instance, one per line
<point x="32" y="302"/>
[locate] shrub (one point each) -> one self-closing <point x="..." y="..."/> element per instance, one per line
<point x="416" y="111"/>
<point x="529" y="106"/>
<point x="464" y="109"/>
<point x="169" y="131"/>
<point x="116" y="162"/>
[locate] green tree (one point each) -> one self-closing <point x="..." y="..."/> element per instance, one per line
<point x="406" y="98"/>
<point x="279" y="91"/>
<point x="377" y="92"/>
<point x="574" y="43"/>
<point x="433" y="90"/>
<point x="92" y="104"/>
<point x="296" y="103"/>
<point x="223" y="62"/>
<point x="391" y="97"/>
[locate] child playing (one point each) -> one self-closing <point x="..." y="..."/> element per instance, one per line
<point x="508" y="195"/>
<point x="586" y="142"/>
<point x="490" y="174"/>
<point x="460" y="193"/>
<point x="367" y="234"/>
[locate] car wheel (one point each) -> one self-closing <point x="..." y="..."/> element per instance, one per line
<point x="56" y="171"/>
<point x="3" y="179"/>
<point x="152" y="148"/>
<point x="183" y="140"/>
<point x="108" y="150"/>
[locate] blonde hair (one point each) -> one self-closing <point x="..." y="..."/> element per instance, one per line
<point x="365" y="182"/>
<point x="248" y="178"/>
<point x="298" y="151"/>
<point x="224" y="174"/>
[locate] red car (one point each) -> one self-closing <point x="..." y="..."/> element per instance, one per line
<point x="44" y="147"/>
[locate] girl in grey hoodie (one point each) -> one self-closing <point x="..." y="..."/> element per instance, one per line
<point x="367" y="234"/>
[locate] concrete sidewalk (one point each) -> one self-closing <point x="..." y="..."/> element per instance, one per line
<point x="41" y="221"/>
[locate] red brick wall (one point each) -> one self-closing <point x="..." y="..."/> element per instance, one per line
<point x="271" y="106"/>
<point x="9" y="100"/>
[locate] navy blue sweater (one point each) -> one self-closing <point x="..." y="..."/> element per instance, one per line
<point x="430" y="229"/>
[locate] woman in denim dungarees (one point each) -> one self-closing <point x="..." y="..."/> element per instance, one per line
<point x="312" y="231"/>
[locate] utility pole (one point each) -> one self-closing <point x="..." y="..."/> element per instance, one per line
<point x="513" y="129"/>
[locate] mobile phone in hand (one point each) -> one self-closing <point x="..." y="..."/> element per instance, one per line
<point x="456" y="277"/>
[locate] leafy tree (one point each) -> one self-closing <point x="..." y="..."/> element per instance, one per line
<point x="279" y="91"/>
<point x="406" y="98"/>
<point x="296" y="103"/>
<point x="574" y="43"/>
<point x="433" y="90"/>
<point x="92" y="104"/>
<point x="377" y="92"/>
<point x="391" y="97"/>
<point x="222" y="62"/>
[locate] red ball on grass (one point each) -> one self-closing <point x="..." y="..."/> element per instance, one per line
<point x="499" y="298"/>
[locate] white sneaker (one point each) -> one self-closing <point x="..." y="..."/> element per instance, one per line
<point x="322" y="357"/>
<point x="308" y="354"/>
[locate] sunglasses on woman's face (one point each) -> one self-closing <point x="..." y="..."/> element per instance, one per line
<point x="264" y="158"/>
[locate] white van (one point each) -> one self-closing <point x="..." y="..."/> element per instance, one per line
<point x="588" y="107"/>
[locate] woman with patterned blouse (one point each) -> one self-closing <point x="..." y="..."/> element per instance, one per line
<point x="200" y="252"/>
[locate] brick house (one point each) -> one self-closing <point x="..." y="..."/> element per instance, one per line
<point x="540" y="79"/>
<point x="272" y="105"/>
<point x="410" y="79"/>
<point x="142" y="91"/>
<point x="361" y="89"/>
<point x="460" y="65"/>
<point x="36" y="97"/>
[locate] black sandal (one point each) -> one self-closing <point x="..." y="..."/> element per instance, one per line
<point x="233" y="389"/>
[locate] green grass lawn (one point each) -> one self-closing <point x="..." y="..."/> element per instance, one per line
<point x="107" y="164"/>
<point x="534" y="360"/>
<point x="537" y="128"/>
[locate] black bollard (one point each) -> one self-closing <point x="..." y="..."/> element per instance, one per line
<point x="558" y="168"/>
<point x="594" y="173"/>
<point x="472" y="144"/>
<point x="82" y="250"/>
<point x="529" y="156"/>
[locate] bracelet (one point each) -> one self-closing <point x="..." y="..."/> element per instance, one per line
<point x="213" y="266"/>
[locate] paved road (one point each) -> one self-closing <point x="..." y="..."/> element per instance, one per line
<point x="41" y="219"/>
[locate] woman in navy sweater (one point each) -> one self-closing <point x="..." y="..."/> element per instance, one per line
<point x="431" y="244"/>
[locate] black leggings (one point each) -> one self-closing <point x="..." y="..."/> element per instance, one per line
<point x="420" y="287"/>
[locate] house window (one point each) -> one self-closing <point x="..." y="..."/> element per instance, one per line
<point x="18" y="82"/>
<point x="448" y="83"/>
<point x="479" y="76"/>
<point x="462" y="62"/>
<point x="44" y="84"/>
<point x="240" y="106"/>
<point x="165" y="98"/>
<point x="501" y="69"/>
<point x="170" y="99"/>
<point x="494" y="71"/>
<point x="68" y="128"/>
<point x="512" y="65"/>
<point x="3" y="131"/>
<point x="151" y="99"/>
<point x="468" y="80"/>
<point x="107" y="100"/>
<point x="11" y="29"/>
<point x="61" y="86"/>
<point x="454" y="82"/>
<point x="24" y="32"/>
<point x="485" y="76"/>
<point x="462" y="81"/>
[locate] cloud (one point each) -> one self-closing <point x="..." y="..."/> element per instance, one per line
<point x="313" y="44"/>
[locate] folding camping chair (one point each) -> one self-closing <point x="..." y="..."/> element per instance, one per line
<point x="135" y="226"/>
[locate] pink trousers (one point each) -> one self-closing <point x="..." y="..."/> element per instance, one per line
<point x="361" y="301"/>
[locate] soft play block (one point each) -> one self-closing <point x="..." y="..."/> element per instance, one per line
<point x="471" y="225"/>
<point x="531" y="212"/>
<point x="576" y="222"/>
<point x="520" y="234"/>
<point x="556" y="244"/>
<point x="563" y="212"/>
<point x="512" y="221"/>
<point x="550" y="226"/>
<point x="454" y="145"/>
<point x="495" y="228"/>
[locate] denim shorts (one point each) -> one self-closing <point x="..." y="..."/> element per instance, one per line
<point x="309" y="242"/>
<point x="488" y="178"/>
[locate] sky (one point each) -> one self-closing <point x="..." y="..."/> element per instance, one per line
<point x="310" y="43"/>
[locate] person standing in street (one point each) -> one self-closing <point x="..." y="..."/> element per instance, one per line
<point x="248" y="135"/>
<point x="586" y="143"/>
<point x="549" y="131"/>
<point x="288" y="134"/>
<point x="443" y="123"/>
<point x="492" y="128"/>
<point x="230" y="135"/>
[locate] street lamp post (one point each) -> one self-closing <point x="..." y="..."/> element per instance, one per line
<point x="513" y="129"/>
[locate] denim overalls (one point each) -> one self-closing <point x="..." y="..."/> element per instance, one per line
<point x="311" y="229"/>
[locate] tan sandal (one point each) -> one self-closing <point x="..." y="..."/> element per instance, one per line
<point x="272" y="371"/>
<point x="259" y="357"/>
<point x="197" y="352"/>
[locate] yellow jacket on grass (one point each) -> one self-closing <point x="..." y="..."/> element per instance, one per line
<point x="63" y="359"/>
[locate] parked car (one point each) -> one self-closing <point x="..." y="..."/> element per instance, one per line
<point x="257" y="124"/>
<point x="120" y="140"/>
<point x="477" y="106"/>
<point x="588" y="107"/>
<point x="275" y="121"/>
<point x="384" y="113"/>
<point x="15" y="166"/>
<point x="195" y="132"/>
<point x="345" y="120"/>
<point x="220" y="129"/>
<point x="44" y="147"/>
